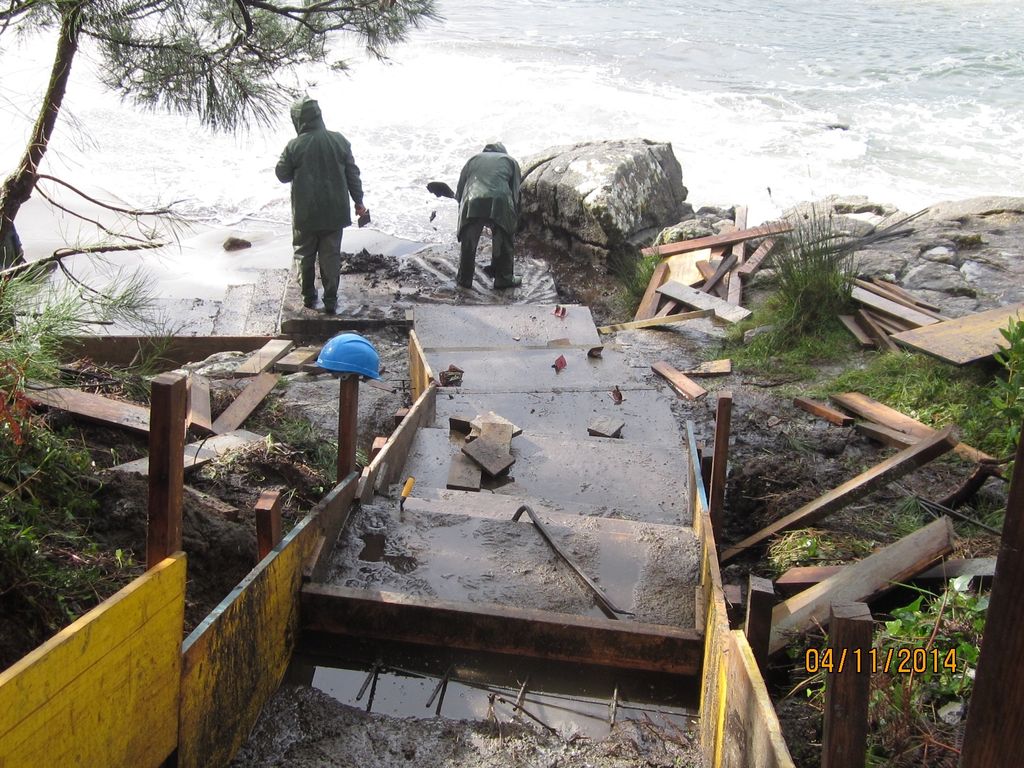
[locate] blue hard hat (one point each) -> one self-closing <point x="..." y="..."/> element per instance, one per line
<point x="350" y="353"/>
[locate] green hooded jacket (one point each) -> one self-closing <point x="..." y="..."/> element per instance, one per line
<point x="489" y="189"/>
<point x="323" y="174"/>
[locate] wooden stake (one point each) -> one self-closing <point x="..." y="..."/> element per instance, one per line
<point x="758" y="624"/>
<point x="847" y="692"/>
<point x="348" y="413"/>
<point x="723" y="416"/>
<point x="268" y="522"/>
<point x="167" y="415"/>
<point x="997" y="703"/>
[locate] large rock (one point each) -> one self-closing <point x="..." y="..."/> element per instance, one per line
<point x="596" y="201"/>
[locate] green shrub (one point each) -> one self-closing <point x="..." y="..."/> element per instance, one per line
<point x="1008" y="395"/>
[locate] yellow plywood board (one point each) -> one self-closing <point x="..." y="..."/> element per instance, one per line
<point x="683" y="266"/>
<point x="236" y="659"/>
<point x="103" y="691"/>
<point x="965" y="339"/>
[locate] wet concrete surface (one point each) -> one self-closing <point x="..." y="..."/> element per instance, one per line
<point x="518" y="326"/>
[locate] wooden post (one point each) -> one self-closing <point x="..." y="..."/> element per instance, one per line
<point x="997" y="703"/>
<point x="758" y="625"/>
<point x="848" y="690"/>
<point x="348" y="412"/>
<point x="716" y="500"/>
<point x="167" y="414"/>
<point x="268" y="522"/>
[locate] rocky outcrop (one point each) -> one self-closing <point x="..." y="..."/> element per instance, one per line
<point x="596" y="201"/>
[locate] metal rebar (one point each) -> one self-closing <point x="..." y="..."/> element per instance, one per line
<point x="437" y="688"/>
<point x="366" y="683"/>
<point x="613" y="706"/>
<point x="373" y="689"/>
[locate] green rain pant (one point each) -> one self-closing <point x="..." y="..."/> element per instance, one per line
<point x="323" y="247"/>
<point x="502" y="251"/>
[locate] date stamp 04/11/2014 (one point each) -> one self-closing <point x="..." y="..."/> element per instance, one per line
<point x="900" y="661"/>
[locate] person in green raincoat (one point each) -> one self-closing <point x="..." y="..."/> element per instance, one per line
<point x="11" y="252"/>
<point x="488" y="195"/>
<point x="323" y="175"/>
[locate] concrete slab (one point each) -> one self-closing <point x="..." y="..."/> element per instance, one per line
<point x="646" y="412"/>
<point x="429" y="553"/>
<point x="502" y="326"/>
<point x="531" y="370"/>
<point x="631" y="480"/>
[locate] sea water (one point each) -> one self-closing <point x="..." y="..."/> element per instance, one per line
<point x="766" y="103"/>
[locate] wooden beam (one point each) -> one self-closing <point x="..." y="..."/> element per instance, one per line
<point x="649" y="303"/>
<point x="198" y="453"/>
<point x="751" y="265"/>
<point x="875" y="332"/>
<point x="711" y="368"/>
<point x="268" y="522"/>
<point x="668" y="307"/>
<point x="296" y="359"/>
<point x="889" y="307"/>
<point x="654" y="322"/>
<point x="166" y="466"/>
<point x="897" y="466"/>
<point x="979" y="569"/>
<point x="844" y="741"/>
<point x="377" y="446"/>
<point x="862" y="581"/>
<point x="758" y="623"/>
<point x="863" y="340"/>
<point x="885" y="293"/>
<point x="963" y="340"/>
<point x="721" y="271"/>
<point x="728" y="238"/>
<point x="348" y="417"/>
<point x="872" y="410"/>
<point x="716" y="496"/>
<point x="501" y="629"/>
<point x="199" y="404"/>
<point x="683" y="386"/>
<point x="172" y="351"/>
<point x="822" y="411"/>
<point x="997" y="702"/>
<point x="898" y="290"/>
<point x="95" y="408"/>
<point x="891" y="437"/>
<point x="262" y="359"/>
<point x="691" y="297"/>
<point x="247" y="401"/>
<point x="734" y="295"/>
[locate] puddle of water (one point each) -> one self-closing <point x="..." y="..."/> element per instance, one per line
<point x="374" y="545"/>
<point x="570" y="698"/>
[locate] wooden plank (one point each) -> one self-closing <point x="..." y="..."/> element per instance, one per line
<point x="728" y="238"/>
<point x="757" y="258"/>
<point x="691" y="297"/>
<point x="377" y="446"/>
<point x="822" y="411"/>
<point x="464" y="474"/>
<point x="888" y="324"/>
<point x="997" y="702"/>
<point x="656" y="321"/>
<point x="166" y="466"/>
<point x="844" y="742"/>
<point x="735" y="292"/>
<point x="981" y="569"/>
<point x="872" y="410"/>
<point x="862" y="581"/>
<point x="500" y="629"/>
<point x="491" y="449"/>
<point x="199" y="404"/>
<point x="716" y="497"/>
<point x="348" y="419"/>
<point x="668" y="307"/>
<point x="897" y="466"/>
<point x="863" y="340"/>
<point x="683" y="266"/>
<point x="711" y="368"/>
<point x="875" y="332"/>
<point x="683" y="386"/>
<point x="705" y="269"/>
<point x="268" y="522"/>
<point x="965" y="339"/>
<point x="198" y="453"/>
<point x="104" y="690"/>
<point x="649" y="303"/>
<point x="891" y="437"/>
<point x="387" y="467"/>
<point x="169" y="351"/>
<point x="95" y="408"/>
<point x="297" y="358"/>
<point x="889" y="307"/>
<point x="885" y="293"/>
<point x="247" y="401"/>
<point x="723" y="268"/>
<point x="236" y="659"/>
<point x="262" y="359"/>
<point x="900" y="291"/>
<point x="757" y="625"/>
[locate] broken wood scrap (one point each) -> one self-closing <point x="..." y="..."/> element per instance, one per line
<point x="894" y="467"/>
<point x="727" y="238"/>
<point x="605" y="427"/>
<point x="711" y="368"/>
<point x="863" y="340"/>
<point x="963" y="340"/>
<point x="980" y="569"/>
<point x="706" y="269"/>
<point x="691" y="297"/>
<point x="262" y="359"/>
<point x="95" y="408"/>
<point x="246" y="402"/>
<point x="492" y="450"/>
<point x="649" y="303"/>
<point x="720" y="272"/>
<point x="683" y="385"/>
<point x="199" y="452"/>
<point x="822" y="411"/>
<point x="868" y="408"/>
<point x="884" y="435"/>
<point x="885" y="306"/>
<point x="862" y="581"/>
<point x="757" y="258"/>
<point x="654" y="322"/>
<point x="875" y="332"/>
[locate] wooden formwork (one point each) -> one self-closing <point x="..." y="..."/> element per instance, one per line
<point x="738" y="725"/>
<point x="420" y="375"/>
<point x="104" y="690"/>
